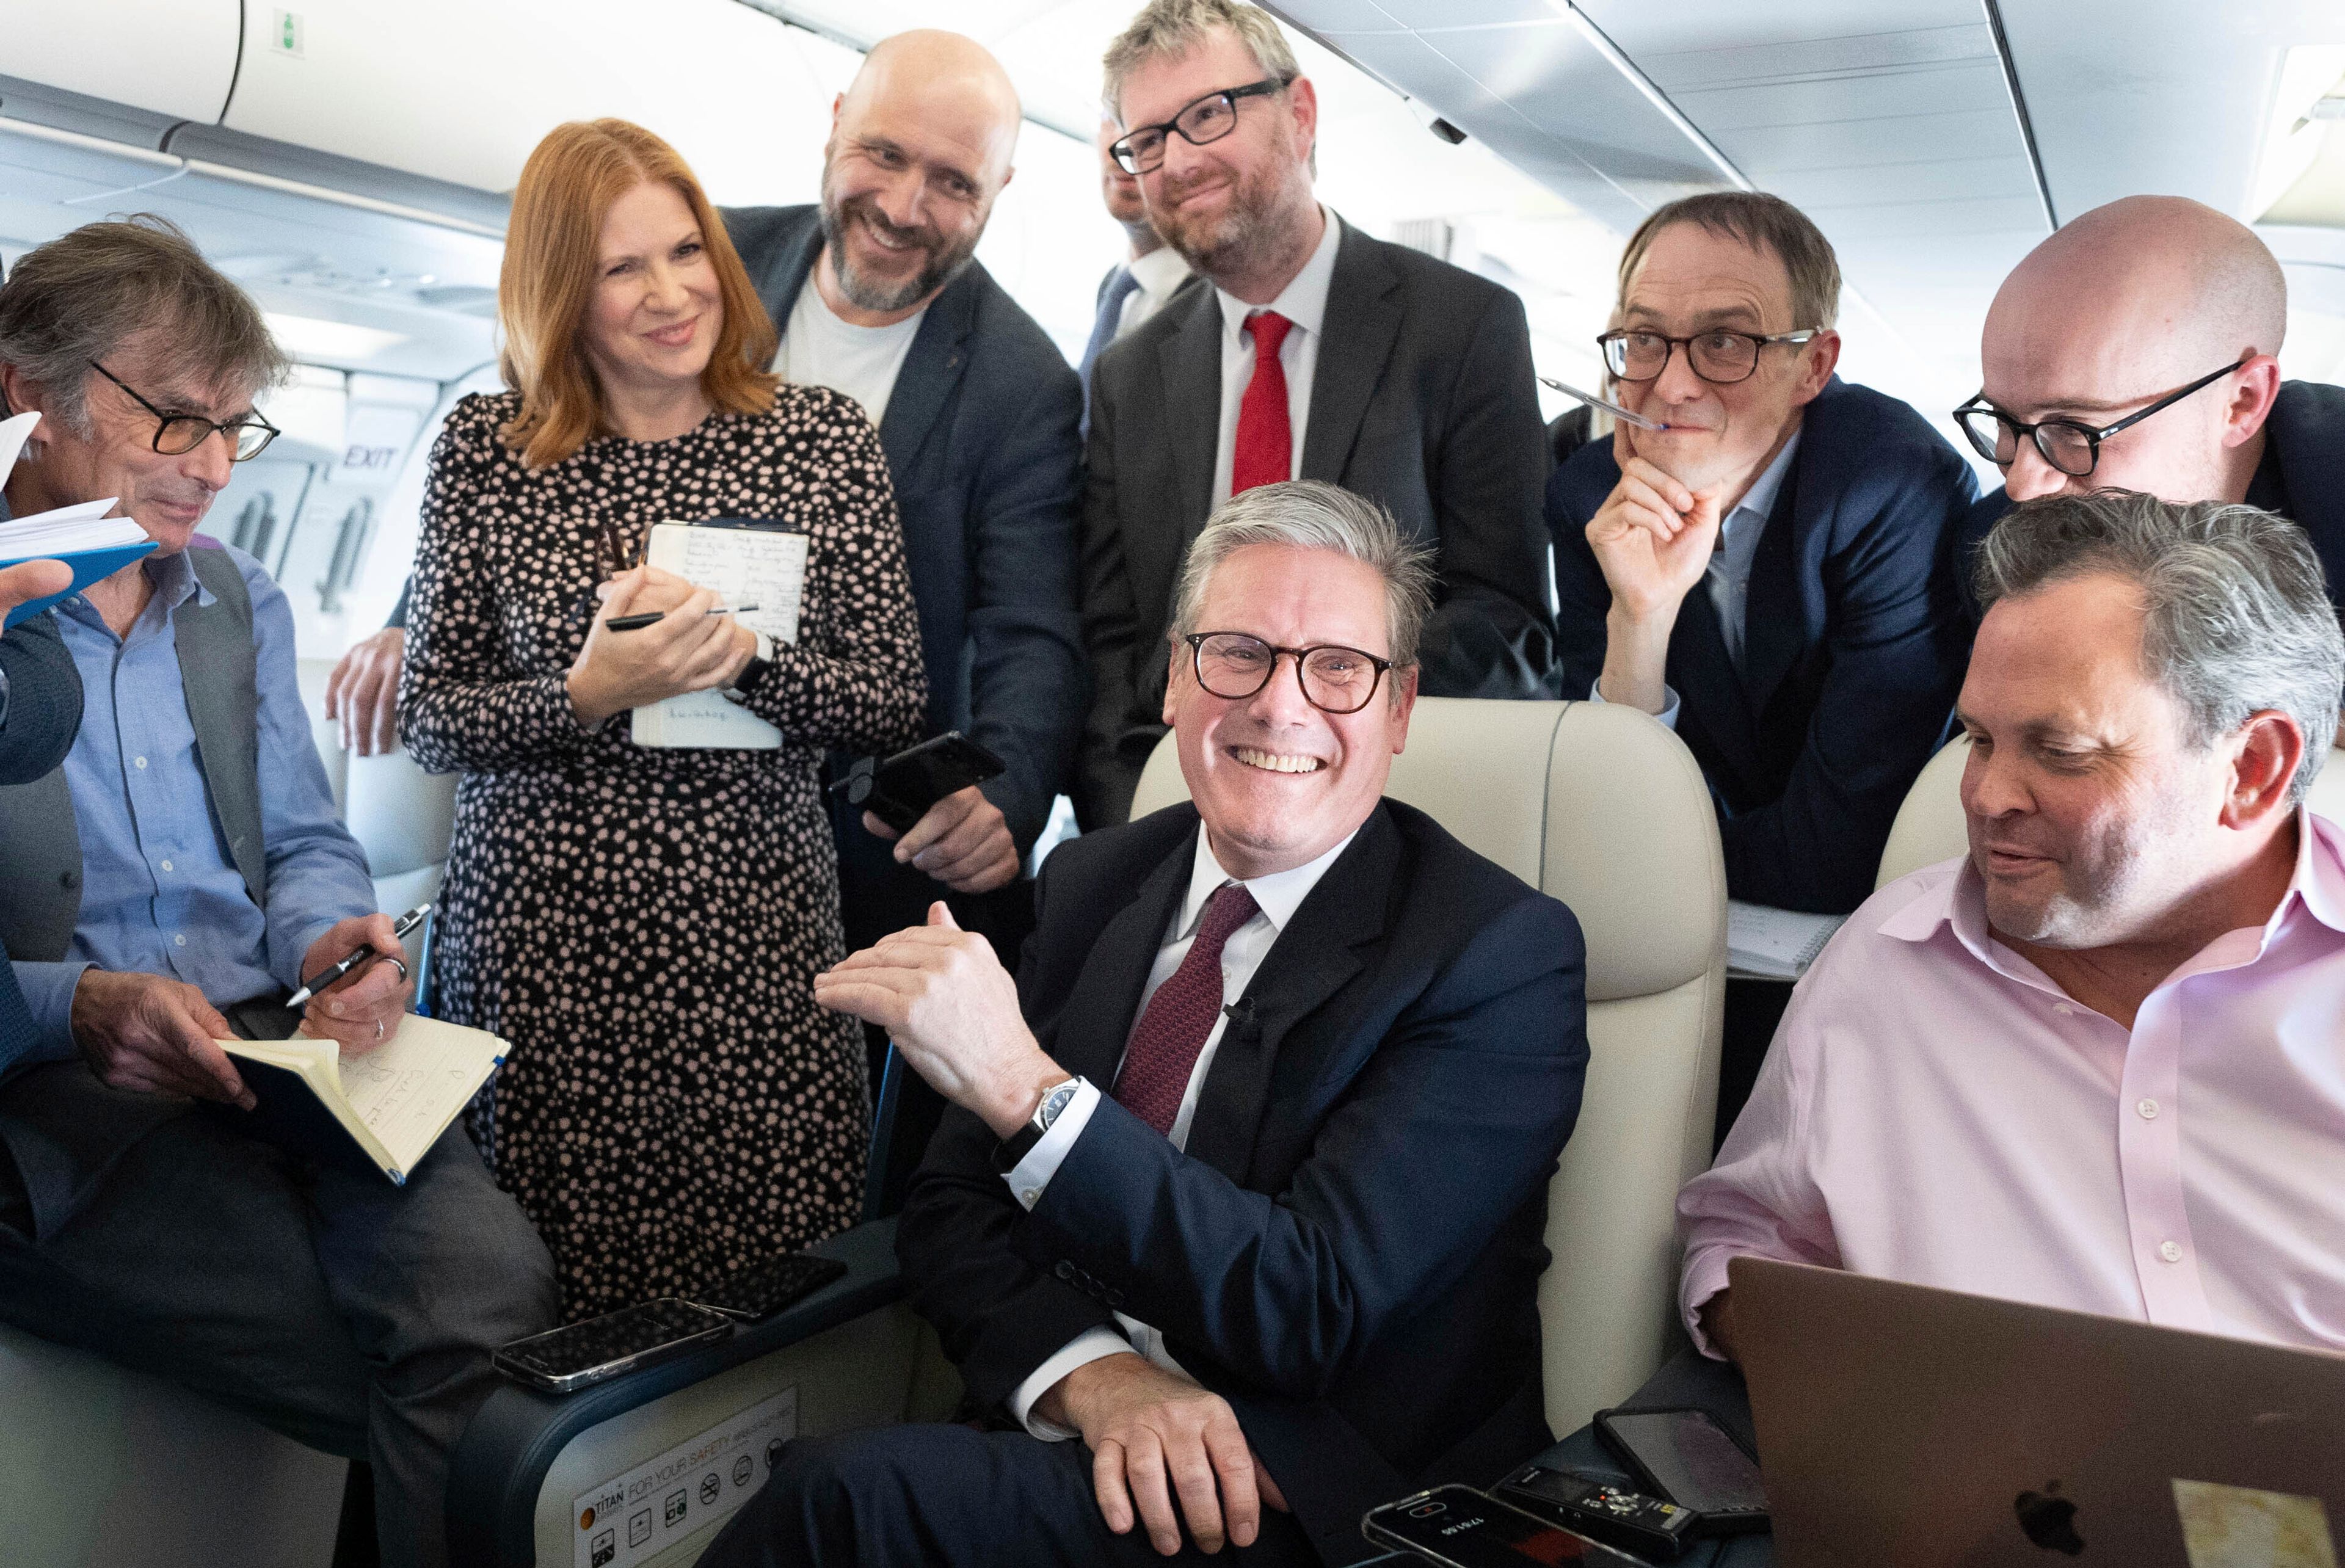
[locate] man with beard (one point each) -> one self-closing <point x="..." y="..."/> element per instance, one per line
<point x="1396" y="376"/>
<point x="2077" y="396"/>
<point x="2091" y="1065"/>
<point x="877" y="296"/>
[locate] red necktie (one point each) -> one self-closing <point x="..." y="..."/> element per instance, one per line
<point x="1264" y="452"/>
<point x="1173" y="1030"/>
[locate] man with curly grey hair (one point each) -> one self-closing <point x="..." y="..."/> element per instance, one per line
<point x="2093" y="1064"/>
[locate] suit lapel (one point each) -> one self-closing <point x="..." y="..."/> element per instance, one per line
<point x="787" y="269"/>
<point x="1362" y="323"/>
<point x="932" y="369"/>
<point x="1189" y="364"/>
<point x="1310" y="961"/>
<point x="1104" y="1002"/>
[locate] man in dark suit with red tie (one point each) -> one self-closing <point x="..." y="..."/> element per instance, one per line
<point x="1235" y="1230"/>
<point x="1312" y="351"/>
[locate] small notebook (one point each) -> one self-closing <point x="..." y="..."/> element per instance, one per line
<point x="746" y="560"/>
<point x="1768" y="944"/>
<point x="82" y="536"/>
<point x="383" y="1108"/>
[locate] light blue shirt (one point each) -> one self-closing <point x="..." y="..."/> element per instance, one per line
<point x="160" y="893"/>
<point x="1728" y="577"/>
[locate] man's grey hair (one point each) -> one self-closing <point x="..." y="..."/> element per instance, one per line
<point x="2236" y="618"/>
<point x="1172" y="27"/>
<point x="1310" y="514"/>
<point x="80" y="297"/>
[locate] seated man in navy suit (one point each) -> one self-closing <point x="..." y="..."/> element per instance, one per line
<point x="1813" y="672"/>
<point x="1237" y="1226"/>
<point x="2078" y="397"/>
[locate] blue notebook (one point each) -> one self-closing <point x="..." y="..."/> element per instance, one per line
<point x="88" y="567"/>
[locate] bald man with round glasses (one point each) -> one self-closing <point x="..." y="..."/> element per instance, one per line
<point x="2136" y="349"/>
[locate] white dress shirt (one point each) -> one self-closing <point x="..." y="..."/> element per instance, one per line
<point x="1159" y="274"/>
<point x="1276" y="897"/>
<point x="819" y="350"/>
<point x="1728" y="576"/>
<point x="1303" y="301"/>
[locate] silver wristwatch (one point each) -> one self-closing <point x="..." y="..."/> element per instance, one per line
<point x="1020" y="1144"/>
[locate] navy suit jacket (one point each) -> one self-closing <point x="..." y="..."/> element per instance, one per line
<point x="1853" y="645"/>
<point x="982" y="443"/>
<point x="1423" y="399"/>
<point x="44" y="715"/>
<point x="1348" y="1251"/>
<point x="2301" y="477"/>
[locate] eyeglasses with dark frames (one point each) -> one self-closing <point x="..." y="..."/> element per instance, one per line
<point x="2071" y="445"/>
<point x="1334" y="679"/>
<point x="175" y="435"/>
<point x="1142" y="149"/>
<point x="1722" y="358"/>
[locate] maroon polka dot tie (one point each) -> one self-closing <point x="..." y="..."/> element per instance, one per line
<point x="1173" y="1030"/>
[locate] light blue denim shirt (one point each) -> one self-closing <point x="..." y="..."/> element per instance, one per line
<point x="160" y="893"/>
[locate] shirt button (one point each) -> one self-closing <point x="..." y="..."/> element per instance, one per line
<point x="167" y="866"/>
<point x="2170" y="1250"/>
<point x="2148" y="1110"/>
<point x="138" y="761"/>
<point x="2062" y="1008"/>
<point x="1031" y="1196"/>
<point x="179" y="941"/>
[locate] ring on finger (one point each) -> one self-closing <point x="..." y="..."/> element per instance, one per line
<point x="397" y="964"/>
<point x="378" y="1028"/>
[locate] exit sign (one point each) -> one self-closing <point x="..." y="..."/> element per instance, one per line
<point x="285" y="32"/>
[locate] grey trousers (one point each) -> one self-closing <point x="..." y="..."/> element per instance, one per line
<point x="351" y="1315"/>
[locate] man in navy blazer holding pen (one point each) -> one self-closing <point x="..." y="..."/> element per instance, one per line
<point x="1235" y="1230"/>
<point x="1773" y="575"/>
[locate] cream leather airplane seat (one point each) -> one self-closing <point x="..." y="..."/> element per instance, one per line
<point x="400" y="815"/>
<point x="1600" y="807"/>
<point x="1930" y="828"/>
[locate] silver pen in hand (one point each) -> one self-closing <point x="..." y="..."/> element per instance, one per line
<point x="1613" y="408"/>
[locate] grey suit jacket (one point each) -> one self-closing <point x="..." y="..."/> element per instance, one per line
<point x="1423" y="399"/>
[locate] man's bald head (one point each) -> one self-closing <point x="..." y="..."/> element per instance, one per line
<point x="920" y="143"/>
<point x="2118" y="308"/>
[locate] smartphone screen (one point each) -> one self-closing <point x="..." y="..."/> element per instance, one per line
<point x="762" y="1289"/>
<point x="630" y="1332"/>
<point x="1456" y="1524"/>
<point x="1690" y="1457"/>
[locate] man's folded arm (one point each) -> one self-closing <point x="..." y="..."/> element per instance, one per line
<point x="1454" y="1123"/>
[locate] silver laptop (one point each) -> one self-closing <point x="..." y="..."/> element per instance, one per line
<point x="1916" y="1428"/>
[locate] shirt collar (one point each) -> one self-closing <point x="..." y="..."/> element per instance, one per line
<point x="1760" y="497"/>
<point x="1304" y="300"/>
<point x="1958" y="898"/>
<point x="174" y="579"/>
<point x="1160" y="271"/>
<point x="1277" y="895"/>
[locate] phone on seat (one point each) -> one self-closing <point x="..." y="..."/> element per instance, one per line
<point x="563" y="1360"/>
<point x="1458" y="1527"/>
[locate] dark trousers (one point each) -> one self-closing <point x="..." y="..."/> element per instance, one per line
<point x="351" y="1315"/>
<point x="949" y="1495"/>
<point x="1754" y="1010"/>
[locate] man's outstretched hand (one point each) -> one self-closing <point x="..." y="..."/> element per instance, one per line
<point x="1154" y="1437"/>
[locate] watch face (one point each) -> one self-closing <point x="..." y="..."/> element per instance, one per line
<point x="1056" y="1101"/>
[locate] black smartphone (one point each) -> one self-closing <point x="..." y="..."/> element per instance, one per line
<point x="1684" y="1457"/>
<point x="899" y="790"/>
<point x="568" y="1359"/>
<point x="1459" y="1527"/>
<point x="758" y="1292"/>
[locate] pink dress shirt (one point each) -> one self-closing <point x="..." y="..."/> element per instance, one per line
<point x="1935" y="1109"/>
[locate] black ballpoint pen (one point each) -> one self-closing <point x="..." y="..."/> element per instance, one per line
<point x="399" y="927"/>
<point x="654" y="617"/>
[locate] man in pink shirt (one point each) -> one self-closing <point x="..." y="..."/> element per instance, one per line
<point x="2099" y="1062"/>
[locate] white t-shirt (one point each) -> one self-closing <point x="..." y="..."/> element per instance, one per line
<point x="819" y="350"/>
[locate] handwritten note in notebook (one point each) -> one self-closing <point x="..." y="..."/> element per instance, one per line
<point x="1764" y="942"/>
<point x="745" y="562"/>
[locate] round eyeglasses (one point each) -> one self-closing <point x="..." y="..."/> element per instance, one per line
<point x="179" y="434"/>
<point x="1335" y="680"/>
<point x="1142" y="149"/>
<point x="1722" y="358"/>
<point x="2071" y="445"/>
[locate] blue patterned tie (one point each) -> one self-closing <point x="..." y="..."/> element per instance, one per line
<point x="1111" y="316"/>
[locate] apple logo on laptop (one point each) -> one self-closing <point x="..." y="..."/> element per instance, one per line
<point x="2049" y="1520"/>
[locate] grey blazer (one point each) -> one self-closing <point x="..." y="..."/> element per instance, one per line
<point x="1423" y="399"/>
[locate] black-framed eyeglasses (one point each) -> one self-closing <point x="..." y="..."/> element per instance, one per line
<point x="1334" y="679"/>
<point x="2068" y="445"/>
<point x="1209" y="119"/>
<point x="179" y="434"/>
<point x="1722" y="358"/>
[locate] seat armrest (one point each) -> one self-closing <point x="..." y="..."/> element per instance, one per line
<point x="501" y="1461"/>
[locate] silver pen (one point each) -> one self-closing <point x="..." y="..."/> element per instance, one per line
<point x="399" y="927"/>
<point x="1613" y="408"/>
